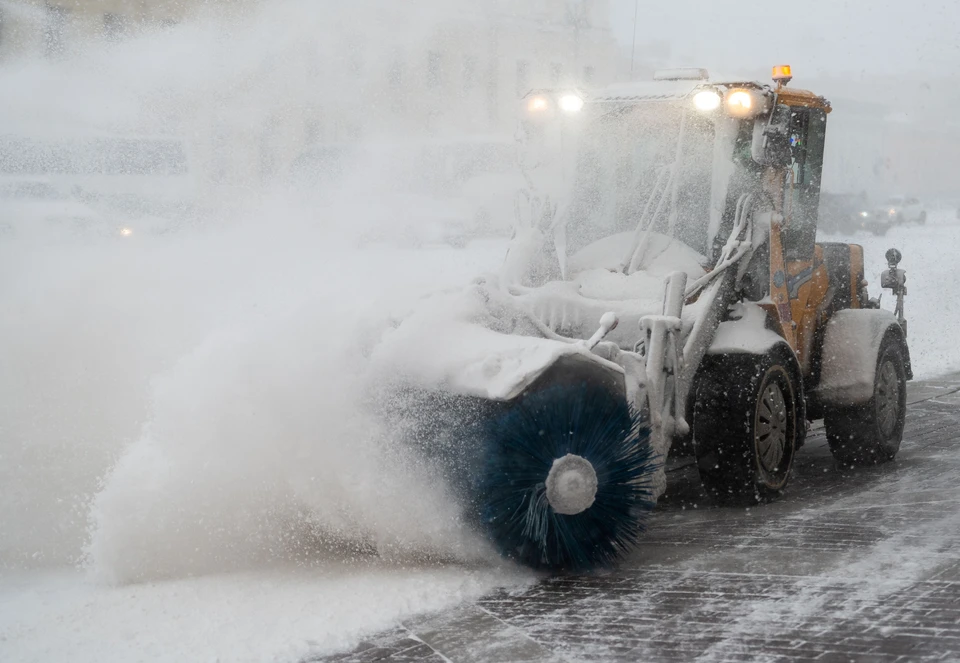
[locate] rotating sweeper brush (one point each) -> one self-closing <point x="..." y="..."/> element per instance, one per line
<point x="561" y="481"/>
<point x="558" y="477"/>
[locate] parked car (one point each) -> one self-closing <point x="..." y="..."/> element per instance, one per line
<point x="138" y="216"/>
<point x="903" y="209"/>
<point x="33" y="208"/>
<point x="846" y="213"/>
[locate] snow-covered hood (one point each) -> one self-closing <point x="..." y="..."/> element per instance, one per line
<point x="490" y="342"/>
<point x="475" y="342"/>
<point x="596" y="285"/>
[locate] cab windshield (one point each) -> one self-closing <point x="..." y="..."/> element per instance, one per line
<point x="625" y="173"/>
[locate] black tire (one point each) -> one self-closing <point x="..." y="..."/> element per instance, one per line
<point x="871" y="433"/>
<point x="747" y="426"/>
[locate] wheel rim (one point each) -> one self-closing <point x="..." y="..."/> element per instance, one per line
<point x="771" y="428"/>
<point x="888" y="398"/>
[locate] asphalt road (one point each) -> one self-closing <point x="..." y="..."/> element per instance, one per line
<point x="850" y="565"/>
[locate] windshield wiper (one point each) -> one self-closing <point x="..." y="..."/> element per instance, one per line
<point x="638" y="246"/>
<point x="658" y="193"/>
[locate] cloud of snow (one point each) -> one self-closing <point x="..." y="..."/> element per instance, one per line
<point x="192" y="403"/>
<point x="221" y="377"/>
<point x="260" y="444"/>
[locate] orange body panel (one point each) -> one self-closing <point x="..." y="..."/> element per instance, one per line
<point x="778" y="286"/>
<point x="803" y="98"/>
<point x="808" y="282"/>
<point x="797" y="292"/>
<point x="856" y="274"/>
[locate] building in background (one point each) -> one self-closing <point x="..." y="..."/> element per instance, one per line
<point x="462" y="73"/>
<point x="57" y="28"/>
<point x="298" y="75"/>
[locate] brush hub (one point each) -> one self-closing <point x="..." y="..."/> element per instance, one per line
<point x="571" y="485"/>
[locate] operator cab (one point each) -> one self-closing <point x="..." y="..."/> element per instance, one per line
<point x="646" y="166"/>
<point x="674" y="154"/>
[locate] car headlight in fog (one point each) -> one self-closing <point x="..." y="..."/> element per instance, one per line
<point x="538" y="104"/>
<point x="707" y="100"/>
<point x="126" y="232"/>
<point x="571" y="103"/>
<point x="892" y="212"/>
<point x="864" y="214"/>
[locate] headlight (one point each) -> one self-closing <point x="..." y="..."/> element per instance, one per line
<point x="126" y="232"/>
<point x="892" y="212"/>
<point x="742" y="102"/>
<point x="707" y="100"/>
<point x="571" y="103"/>
<point x="739" y="103"/>
<point x="864" y="214"/>
<point x="538" y="104"/>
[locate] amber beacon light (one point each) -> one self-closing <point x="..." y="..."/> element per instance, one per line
<point x="782" y="74"/>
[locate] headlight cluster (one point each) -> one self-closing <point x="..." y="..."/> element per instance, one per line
<point x="737" y="102"/>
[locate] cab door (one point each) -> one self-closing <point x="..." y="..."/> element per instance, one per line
<point x="802" y="280"/>
<point x="801" y="186"/>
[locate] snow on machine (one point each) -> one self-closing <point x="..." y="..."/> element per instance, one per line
<point x="663" y="289"/>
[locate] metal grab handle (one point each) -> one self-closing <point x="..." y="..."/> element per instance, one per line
<point x="608" y="322"/>
<point x="664" y="357"/>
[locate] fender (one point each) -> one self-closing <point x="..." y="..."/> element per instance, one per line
<point x="747" y="332"/>
<point x="851" y="344"/>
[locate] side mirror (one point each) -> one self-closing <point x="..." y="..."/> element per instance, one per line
<point x="894" y="278"/>
<point x="771" y="139"/>
<point x="893" y="258"/>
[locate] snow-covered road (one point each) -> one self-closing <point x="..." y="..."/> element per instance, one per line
<point x="849" y="565"/>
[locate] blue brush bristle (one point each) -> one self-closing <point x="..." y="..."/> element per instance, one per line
<point x="518" y="447"/>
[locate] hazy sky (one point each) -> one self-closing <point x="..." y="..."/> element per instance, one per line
<point x="734" y="36"/>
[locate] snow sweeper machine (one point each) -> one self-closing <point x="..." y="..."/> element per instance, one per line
<point x="664" y="293"/>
